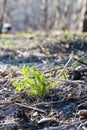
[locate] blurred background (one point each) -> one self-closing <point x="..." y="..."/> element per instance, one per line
<point x="27" y="15"/>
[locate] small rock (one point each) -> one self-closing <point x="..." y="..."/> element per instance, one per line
<point x="76" y="75"/>
<point x="35" y="114"/>
<point x="44" y="120"/>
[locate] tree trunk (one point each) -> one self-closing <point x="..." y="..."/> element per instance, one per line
<point x="2" y="14"/>
<point x="85" y="21"/>
<point x="46" y="16"/>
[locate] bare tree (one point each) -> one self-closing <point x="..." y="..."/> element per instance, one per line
<point x="46" y="15"/>
<point x="57" y="15"/>
<point x="85" y="19"/>
<point x="4" y="5"/>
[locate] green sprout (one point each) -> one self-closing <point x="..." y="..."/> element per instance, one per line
<point x="34" y="82"/>
<point x="6" y="44"/>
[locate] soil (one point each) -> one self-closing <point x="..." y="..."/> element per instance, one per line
<point x="50" y="55"/>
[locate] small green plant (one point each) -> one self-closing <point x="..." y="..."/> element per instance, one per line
<point x="47" y="51"/>
<point x="33" y="81"/>
<point x="6" y="44"/>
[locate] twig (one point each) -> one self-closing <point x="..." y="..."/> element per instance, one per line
<point x="29" y="107"/>
<point x="82" y="112"/>
<point x="23" y="106"/>
<point x="6" y="103"/>
<point x="7" y="123"/>
<point x="82" y="62"/>
<point x="68" y="81"/>
<point x="64" y="67"/>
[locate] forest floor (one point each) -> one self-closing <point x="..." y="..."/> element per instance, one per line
<point x="57" y="56"/>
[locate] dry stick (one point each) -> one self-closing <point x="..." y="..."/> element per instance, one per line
<point x="80" y="58"/>
<point x="6" y="103"/>
<point x="82" y="112"/>
<point x="65" y="67"/>
<point x="65" y="100"/>
<point x="6" y="124"/>
<point x="68" y="63"/>
<point x="82" y="62"/>
<point x="54" y="69"/>
<point x="29" y="107"/>
<point x="23" y="106"/>
<point x="68" y="81"/>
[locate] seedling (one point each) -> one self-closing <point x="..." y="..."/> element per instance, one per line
<point x="34" y="82"/>
<point x="6" y="44"/>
